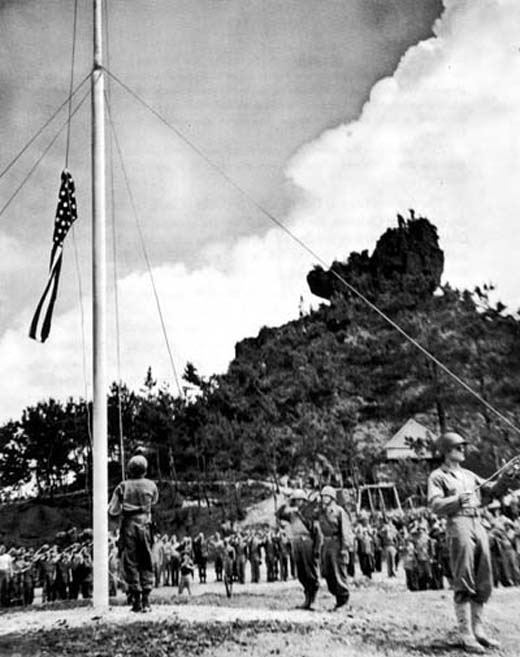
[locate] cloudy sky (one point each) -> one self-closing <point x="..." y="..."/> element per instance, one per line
<point x="333" y="115"/>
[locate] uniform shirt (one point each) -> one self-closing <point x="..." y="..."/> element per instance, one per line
<point x="423" y="547"/>
<point x="134" y="496"/>
<point x="389" y="534"/>
<point x="334" y="523"/>
<point x="444" y="487"/>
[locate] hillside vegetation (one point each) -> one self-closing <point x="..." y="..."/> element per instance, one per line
<point x="319" y="395"/>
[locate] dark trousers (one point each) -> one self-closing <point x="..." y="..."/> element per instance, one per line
<point x="306" y="565"/>
<point x="334" y="570"/>
<point x="137" y="555"/>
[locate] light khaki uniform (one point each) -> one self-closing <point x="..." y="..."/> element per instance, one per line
<point x="467" y="539"/>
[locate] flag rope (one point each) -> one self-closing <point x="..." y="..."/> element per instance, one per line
<point x="73" y="231"/>
<point x="144" y="250"/>
<point x="115" y="271"/>
<point x="311" y="252"/>
<point x="74" y="30"/>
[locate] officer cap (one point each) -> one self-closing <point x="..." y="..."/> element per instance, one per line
<point x="298" y="494"/>
<point x="328" y="491"/>
<point x="450" y="440"/>
<point x="137" y="465"/>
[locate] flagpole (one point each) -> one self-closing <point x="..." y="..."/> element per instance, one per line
<point x="100" y="469"/>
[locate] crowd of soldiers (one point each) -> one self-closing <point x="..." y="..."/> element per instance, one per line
<point x="62" y="570"/>
<point x="381" y="543"/>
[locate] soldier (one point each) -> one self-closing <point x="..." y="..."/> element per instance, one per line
<point x="284" y="552"/>
<point x="365" y="545"/>
<point x="270" y="556"/>
<point x="388" y="534"/>
<point x="423" y="553"/>
<point x="218" y="546"/>
<point x="158" y="559"/>
<point x="200" y="549"/>
<point x="6" y="573"/>
<point x="409" y="559"/>
<point x="452" y="492"/>
<point x="133" y="500"/>
<point x="306" y="542"/>
<point x="255" y="556"/>
<point x="175" y="560"/>
<point x="229" y="560"/>
<point x="186" y="570"/>
<point x="47" y="571"/>
<point x="338" y="540"/>
<point x="240" y="546"/>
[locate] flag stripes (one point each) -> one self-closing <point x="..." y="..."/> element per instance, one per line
<point x="66" y="214"/>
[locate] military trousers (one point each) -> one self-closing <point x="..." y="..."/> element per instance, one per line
<point x="470" y="560"/>
<point x="136" y="547"/>
<point x="334" y="569"/>
<point x="306" y="564"/>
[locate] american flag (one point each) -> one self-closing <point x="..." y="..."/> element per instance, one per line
<point x="66" y="214"/>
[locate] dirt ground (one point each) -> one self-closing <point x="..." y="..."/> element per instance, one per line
<point x="260" y="620"/>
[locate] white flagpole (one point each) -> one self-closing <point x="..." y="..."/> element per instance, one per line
<point x="100" y="468"/>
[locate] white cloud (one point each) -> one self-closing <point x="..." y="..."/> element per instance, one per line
<point x="442" y="136"/>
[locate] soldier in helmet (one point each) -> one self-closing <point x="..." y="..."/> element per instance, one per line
<point x="338" y="541"/>
<point x="306" y="541"/>
<point x="132" y="500"/>
<point x="452" y="492"/>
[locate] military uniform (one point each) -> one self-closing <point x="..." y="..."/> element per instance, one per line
<point x="338" y="540"/>
<point x="133" y="500"/>
<point x="471" y="578"/>
<point x="455" y="492"/>
<point x="306" y="541"/>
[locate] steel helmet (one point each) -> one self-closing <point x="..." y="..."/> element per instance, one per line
<point x="328" y="491"/>
<point x="448" y="441"/>
<point x="137" y="465"/>
<point x="298" y="494"/>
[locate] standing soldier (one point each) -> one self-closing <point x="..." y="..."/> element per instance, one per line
<point x="254" y="549"/>
<point x="285" y="549"/>
<point x="270" y="556"/>
<point x="365" y="545"/>
<point x="200" y="549"/>
<point x="452" y="492"/>
<point x="228" y="560"/>
<point x="218" y="546"/>
<point x="388" y="535"/>
<point x="337" y="543"/>
<point x="306" y="541"/>
<point x="241" y="557"/>
<point x="133" y="500"/>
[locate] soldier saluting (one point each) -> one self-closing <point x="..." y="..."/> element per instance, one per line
<point x="454" y="492"/>
<point x="306" y="541"/>
<point x="132" y="500"/>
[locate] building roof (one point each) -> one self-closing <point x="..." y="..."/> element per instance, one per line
<point x="398" y="447"/>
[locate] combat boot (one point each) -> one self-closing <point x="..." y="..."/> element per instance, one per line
<point x="146" y="607"/>
<point x="478" y="629"/>
<point x="466" y="638"/>
<point x="312" y="600"/>
<point x="136" y="601"/>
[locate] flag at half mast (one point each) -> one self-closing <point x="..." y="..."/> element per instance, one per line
<point x="66" y="214"/>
